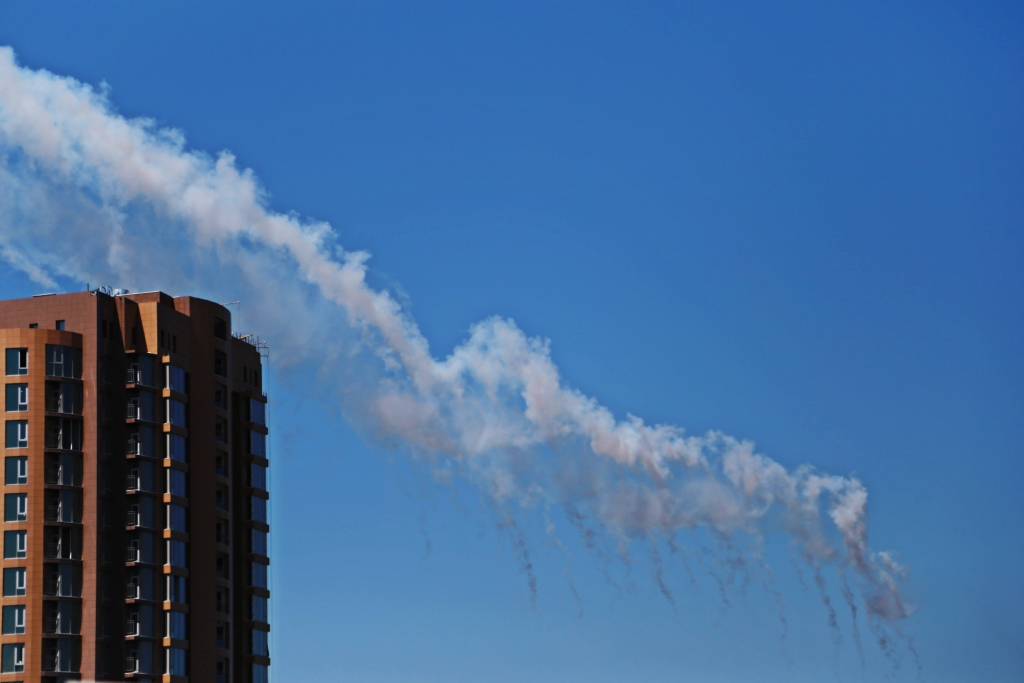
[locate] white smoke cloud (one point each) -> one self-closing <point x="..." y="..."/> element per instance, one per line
<point x="89" y="195"/>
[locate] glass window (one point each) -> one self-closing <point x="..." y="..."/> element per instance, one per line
<point x="15" y="545"/>
<point x="175" y="412"/>
<point x="176" y="379"/>
<point x="13" y="658"/>
<point x="176" y="625"/>
<point x="258" y="643"/>
<point x="17" y="434"/>
<point x="258" y="444"/>
<point x="60" y="361"/>
<point x="17" y="398"/>
<point x="14" y="582"/>
<point x="176" y="553"/>
<point x="176" y="483"/>
<point x="176" y="518"/>
<point x="257" y="542"/>
<point x="258" y="412"/>
<point x="259" y="674"/>
<point x="17" y="361"/>
<point x="176" y="589"/>
<point x="13" y="619"/>
<point x="15" y="507"/>
<point x="258" y="609"/>
<point x="258" y="477"/>
<point x="257" y="509"/>
<point x="257" y="575"/>
<point x="175" y="661"/>
<point x="16" y="470"/>
<point x="176" y="447"/>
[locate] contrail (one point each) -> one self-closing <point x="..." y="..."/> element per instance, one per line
<point x="87" y="195"/>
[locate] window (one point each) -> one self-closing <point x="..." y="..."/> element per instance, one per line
<point x="220" y="363"/>
<point x="222" y="532"/>
<point x="63" y="361"/>
<point x="258" y="477"/>
<point x="220" y="329"/>
<point x="220" y="430"/>
<point x="223" y="636"/>
<point x="176" y="379"/>
<point x="63" y="434"/>
<point x="223" y="601"/>
<point x="176" y="589"/>
<point x="176" y="625"/>
<point x="223" y="566"/>
<point x="13" y="658"/>
<point x="14" y="582"/>
<point x="258" y="674"/>
<point x="175" y="412"/>
<point x="220" y="463"/>
<point x="257" y="575"/>
<point x="17" y="398"/>
<point x="17" y="361"/>
<point x="175" y="661"/>
<point x="15" y="545"/>
<point x="219" y="399"/>
<point x="257" y="542"/>
<point x="258" y="444"/>
<point x="33" y="326"/>
<point x="258" y="609"/>
<point x="17" y="434"/>
<point x="16" y="470"/>
<point x="258" y="643"/>
<point x="15" y="507"/>
<point x="258" y="412"/>
<point x="59" y="325"/>
<point x="176" y="483"/>
<point x="176" y="553"/>
<point x="176" y="518"/>
<point x="257" y="509"/>
<point x="176" y="447"/>
<point x="13" y="620"/>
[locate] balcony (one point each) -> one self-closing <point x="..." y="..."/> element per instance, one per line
<point x="52" y="550"/>
<point x="132" y="591"/>
<point x="133" y="412"/>
<point x="131" y="664"/>
<point x="53" y="404"/>
<point x="134" y="483"/>
<point x="134" y="447"/>
<point x="132" y="518"/>
<point x="52" y="513"/>
<point x="131" y="554"/>
<point x="131" y="627"/>
<point x="133" y="376"/>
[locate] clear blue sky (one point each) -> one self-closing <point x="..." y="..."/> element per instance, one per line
<point x="798" y="224"/>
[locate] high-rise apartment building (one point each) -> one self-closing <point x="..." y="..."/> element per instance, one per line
<point x="134" y="492"/>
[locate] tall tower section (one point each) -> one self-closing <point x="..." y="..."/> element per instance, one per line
<point x="135" y="492"/>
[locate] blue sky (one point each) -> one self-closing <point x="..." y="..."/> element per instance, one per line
<point x="800" y="225"/>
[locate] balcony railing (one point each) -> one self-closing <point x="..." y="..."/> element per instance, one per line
<point x="131" y="554"/>
<point x="134" y="447"/>
<point x="53" y="404"/>
<point x="131" y="627"/>
<point x="131" y="664"/>
<point x="132" y="591"/>
<point x="53" y="513"/>
<point x="133" y="376"/>
<point x="133" y="411"/>
<point x="134" y="482"/>
<point x="51" y="586"/>
<point x="52" y="549"/>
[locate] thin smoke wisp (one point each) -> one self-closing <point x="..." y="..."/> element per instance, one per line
<point x="86" y="193"/>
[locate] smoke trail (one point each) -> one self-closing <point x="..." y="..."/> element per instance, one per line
<point x="85" y="194"/>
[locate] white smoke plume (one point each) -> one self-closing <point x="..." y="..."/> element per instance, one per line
<point x="86" y="194"/>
